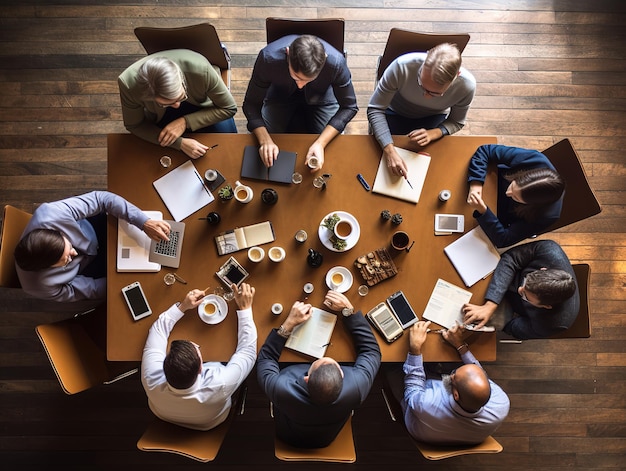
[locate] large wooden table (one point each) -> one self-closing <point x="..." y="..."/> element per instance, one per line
<point x="134" y="164"/>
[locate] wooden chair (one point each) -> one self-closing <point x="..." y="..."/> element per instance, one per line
<point x="199" y="445"/>
<point x="330" y="30"/>
<point x="401" y="42"/>
<point x="76" y="348"/>
<point x="437" y="452"/>
<point x="579" y="201"/>
<point x="14" y="222"/>
<point x="341" y="450"/>
<point x="201" y="38"/>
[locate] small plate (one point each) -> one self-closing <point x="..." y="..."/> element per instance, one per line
<point x="347" y="279"/>
<point x="218" y="316"/>
<point x="325" y="234"/>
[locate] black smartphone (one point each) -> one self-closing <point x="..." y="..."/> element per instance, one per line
<point x="402" y="309"/>
<point x="136" y="301"/>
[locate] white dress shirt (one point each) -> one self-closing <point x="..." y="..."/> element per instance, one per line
<point x="207" y="402"/>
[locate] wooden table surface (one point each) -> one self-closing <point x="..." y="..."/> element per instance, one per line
<point x="134" y="164"/>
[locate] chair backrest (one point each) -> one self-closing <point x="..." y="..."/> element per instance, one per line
<point x="341" y="450"/>
<point x="579" y="201"/>
<point x="401" y="42"/>
<point x="330" y="30"/>
<point x="581" y="327"/>
<point x="434" y="452"/>
<point x="78" y="360"/>
<point x="14" y="222"/>
<point x="199" y="445"/>
<point x="201" y="38"/>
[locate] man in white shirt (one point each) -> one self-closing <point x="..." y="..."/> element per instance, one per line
<point x="181" y="387"/>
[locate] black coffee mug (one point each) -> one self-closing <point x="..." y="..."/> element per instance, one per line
<point x="269" y="196"/>
<point x="213" y="218"/>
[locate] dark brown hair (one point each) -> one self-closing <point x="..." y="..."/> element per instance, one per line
<point x="307" y="55"/>
<point x="325" y="384"/>
<point x="182" y="364"/>
<point x="551" y="286"/>
<point x="538" y="188"/>
<point x="39" y="249"/>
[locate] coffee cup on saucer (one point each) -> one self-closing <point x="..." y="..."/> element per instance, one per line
<point x="343" y="228"/>
<point x="336" y="279"/>
<point x="243" y="193"/>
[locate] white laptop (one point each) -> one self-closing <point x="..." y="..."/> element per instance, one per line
<point x="165" y="252"/>
<point x="133" y="247"/>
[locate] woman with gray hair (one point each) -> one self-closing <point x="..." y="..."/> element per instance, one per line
<point x="169" y="93"/>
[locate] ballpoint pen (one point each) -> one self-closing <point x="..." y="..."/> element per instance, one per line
<point x="202" y="182"/>
<point x="213" y="147"/>
<point x="407" y="180"/>
<point x="179" y="278"/>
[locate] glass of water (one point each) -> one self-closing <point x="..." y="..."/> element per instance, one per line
<point x="296" y="178"/>
<point x="166" y="161"/>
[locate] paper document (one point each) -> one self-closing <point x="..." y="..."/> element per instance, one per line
<point x="183" y="191"/>
<point x="244" y="237"/>
<point x="445" y="304"/>
<point x="398" y="187"/>
<point x="313" y="336"/>
<point x="473" y="255"/>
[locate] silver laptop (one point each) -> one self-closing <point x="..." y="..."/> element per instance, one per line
<point x="168" y="253"/>
<point x="133" y="247"/>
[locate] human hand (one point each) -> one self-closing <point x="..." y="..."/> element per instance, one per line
<point x="395" y="164"/>
<point x="424" y="137"/>
<point x="193" y="148"/>
<point x="300" y="312"/>
<point x="244" y="295"/>
<point x="476" y="202"/>
<point x="480" y="315"/>
<point x="475" y="188"/>
<point x="268" y="153"/>
<point x="418" y="333"/>
<point x="157" y="230"/>
<point x="337" y="301"/>
<point x="193" y="299"/>
<point x="172" y="131"/>
<point x="316" y="150"/>
<point x="454" y="336"/>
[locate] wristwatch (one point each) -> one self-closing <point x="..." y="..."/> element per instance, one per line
<point x="347" y="311"/>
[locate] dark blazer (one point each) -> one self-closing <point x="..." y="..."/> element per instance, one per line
<point x="298" y="421"/>
<point x="532" y="322"/>
<point x="507" y="228"/>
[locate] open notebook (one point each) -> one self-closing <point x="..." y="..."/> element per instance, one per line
<point x="313" y="336"/>
<point x="473" y="255"/>
<point x="398" y="187"/>
<point x="281" y="171"/>
<point x="244" y="237"/>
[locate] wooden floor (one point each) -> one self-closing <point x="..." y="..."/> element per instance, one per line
<point x="546" y="70"/>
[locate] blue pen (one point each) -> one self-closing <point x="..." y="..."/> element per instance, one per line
<point x="363" y="182"/>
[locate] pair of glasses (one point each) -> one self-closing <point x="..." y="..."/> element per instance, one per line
<point x="179" y="100"/>
<point x="523" y="293"/>
<point x="428" y="92"/>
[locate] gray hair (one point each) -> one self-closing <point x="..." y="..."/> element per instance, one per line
<point x="160" y="77"/>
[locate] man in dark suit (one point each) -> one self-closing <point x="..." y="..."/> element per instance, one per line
<point x="312" y="402"/>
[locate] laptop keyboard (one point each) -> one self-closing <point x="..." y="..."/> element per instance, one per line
<point x="168" y="248"/>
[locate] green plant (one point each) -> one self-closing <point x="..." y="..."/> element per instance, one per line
<point x="226" y="192"/>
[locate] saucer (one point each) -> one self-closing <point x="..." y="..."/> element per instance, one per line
<point x="218" y="316"/>
<point x="347" y="279"/>
<point x="325" y="234"/>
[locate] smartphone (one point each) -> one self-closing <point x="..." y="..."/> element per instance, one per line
<point x="136" y="301"/>
<point x="232" y="272"/>
<point x="402" y="309"/>
<point x="385" y="322"/>
<point x="449" y="222"/>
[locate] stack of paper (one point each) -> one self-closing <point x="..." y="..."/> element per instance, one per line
<point x="473" y="256"/>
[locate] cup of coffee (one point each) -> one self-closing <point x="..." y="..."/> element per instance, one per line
<point x="313" y="162"/>
<point x="336" y="279"/>
<point x="399" y="241"/>
<point x="276" y="254"/>
<point x="243" y="193"/>
<point x="343" y="229"/>
<point x="256" y="254"/>
<point x="301" y="236"/>
<point x="277" y="308"/>
<point x="210" y="175"/>
<point x="210" y="308"/>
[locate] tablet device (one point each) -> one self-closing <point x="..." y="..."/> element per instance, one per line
<point x="402" y="309"/>
<point x="449" y="223"/>
<point x="136" y="301"/>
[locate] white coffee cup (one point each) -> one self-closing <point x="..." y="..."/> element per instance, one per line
<point x="343" y="229"/>
<point x="210" y="308"/>
<point x="336" y="279"/>
<point x="276" y="254"/>
<point x="277" y="308"/>
<point x="313" y="162"/>
<point x="256" y="254"/>
<point x="243" y="193"/>
<point x="210" y="175"/>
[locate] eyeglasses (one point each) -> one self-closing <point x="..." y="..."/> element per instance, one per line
<point x="523" y="292"/>
<point x="180" y="100"/>
<point x="428" y="92"/>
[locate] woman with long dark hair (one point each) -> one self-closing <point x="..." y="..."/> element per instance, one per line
<point x="530" y="193"/>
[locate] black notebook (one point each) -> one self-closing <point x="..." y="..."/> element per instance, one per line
<point x="281" y="171"/>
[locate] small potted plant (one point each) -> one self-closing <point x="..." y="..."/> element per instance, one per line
<point x="226" y="193"/>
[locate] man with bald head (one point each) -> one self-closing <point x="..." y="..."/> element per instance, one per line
<point x="463" y="407"/>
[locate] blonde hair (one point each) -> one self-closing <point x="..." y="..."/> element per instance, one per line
<point x="160" y="77"/>
<point x="443" y="62"/>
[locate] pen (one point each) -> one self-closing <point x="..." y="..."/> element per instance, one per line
<point x="201" y="182"/>
<point x="213" y="147"/>
<point x="439" y="331"/>
<point x="179" y="278"/>
<point x="407" y="180"/>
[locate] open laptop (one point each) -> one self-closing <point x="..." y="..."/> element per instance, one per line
<point x="168" y="253"/>
<point x="133" y="247"/>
